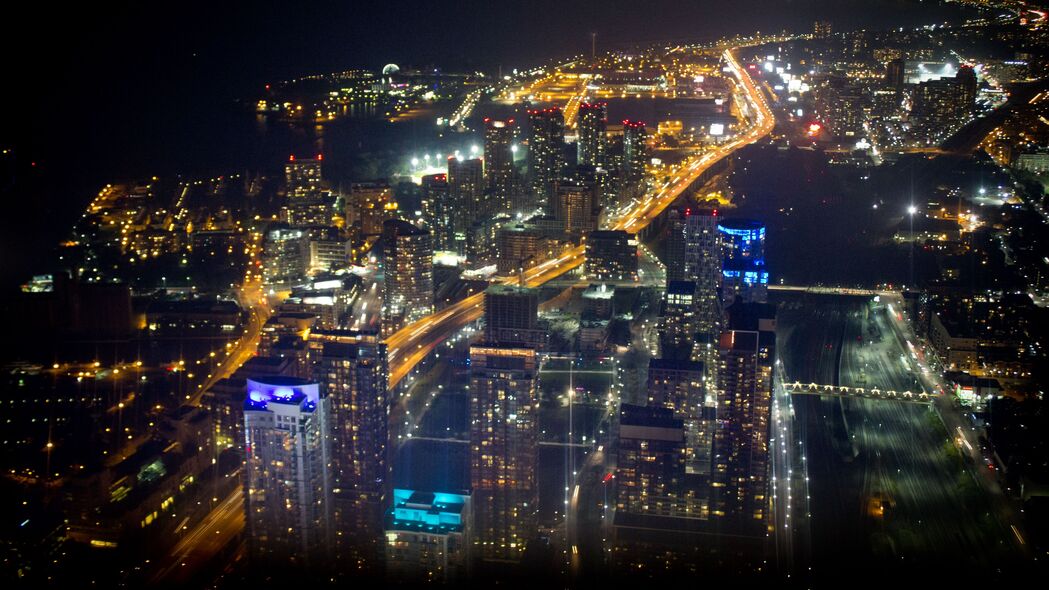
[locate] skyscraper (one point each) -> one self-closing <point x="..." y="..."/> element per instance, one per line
<point x="546" y="153"/>
<point x="287" y="490"/>
<point x="677" y="322"/>
<point x="593" y="123"/>
<point x="650" y="476"/>
<point x="576" y="209"/>
<point x="466" y="191"/>
<point x="521" y="245"/>
<point x="438" y="211"/>
<point x="306" y="203"/>
<point x="367" y="207"/>
<point x="635" y="154"/>
<point x="408" y="268"/>
<point x="511" y="316"/>
<point x="285" y="254"/>
<point x="680" y="385"/>
<point x="352" y="371"/>
<point x="611" y="255"/>
<point x="303" y="177"/>
<point x="740" y="470"/>
<point x="743" y="272"/>
<point x="695" y="255"/>
<point x="503" y="452"/>
<point x="499" y="169"/>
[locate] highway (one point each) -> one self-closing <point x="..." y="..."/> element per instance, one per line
<point x="411" y="344"/>
<point x="203" y="542"/>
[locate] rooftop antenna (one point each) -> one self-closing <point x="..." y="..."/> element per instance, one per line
<point x="593" y="46"/>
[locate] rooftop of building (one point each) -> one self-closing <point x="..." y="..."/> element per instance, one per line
<point x="599" y="291"/>
<point x="741" y="223"/>
<point x="608" y="234"/>
<point x="511" y="290"/>
<point x="663" y="364"/>
<point x="681" y="287"/>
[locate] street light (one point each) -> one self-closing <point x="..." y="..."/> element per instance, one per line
<point x="911" y="210"/>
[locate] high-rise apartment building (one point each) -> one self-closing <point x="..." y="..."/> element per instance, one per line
<point x="576" y="208"/>
<point x="499" y="171"/>
<point x="466" y="191"/>
<point x="285" y="256"/>
<point x="350" y="368"/>
<point x="635" y="155"/>
<point x="611" y="255"/>
<point x="287" y="490"/>
<point x="740" y="470"/>
<point x="503" y="449"/>
<point x="546" y="153"/>
<point x="694" y="248"/>
<point x="677" y="321"/>
<point x="307" y="204"/>
<point x="408" y="268"/>
<point x="593" y="127"/>
<point x="511" y="316"/>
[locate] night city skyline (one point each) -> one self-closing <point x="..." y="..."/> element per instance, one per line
<point x="525" y="293"/>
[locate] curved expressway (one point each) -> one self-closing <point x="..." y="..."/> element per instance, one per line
<point x="410" y="345"/>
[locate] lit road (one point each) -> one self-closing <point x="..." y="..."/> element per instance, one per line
<point x="203" y="542"/>
<point x="246" y="346"/>
<point x="411" y="344"/>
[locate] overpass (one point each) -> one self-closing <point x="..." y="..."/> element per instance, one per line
<point x="858" y="392"/>
<point x="822" y="290"/>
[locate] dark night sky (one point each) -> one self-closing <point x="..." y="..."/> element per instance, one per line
<point x="90" y="89"/>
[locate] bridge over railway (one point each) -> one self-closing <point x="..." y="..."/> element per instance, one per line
<point x="799" y="388"/>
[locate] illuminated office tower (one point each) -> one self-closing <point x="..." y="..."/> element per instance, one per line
<point x="511" y="316"/>
<point x="740" y="470"/>
<point x="743" y="272"/>
<point x="408" y="268"/>
<point x="592" y="142"/>
<point x="287" y="491"/>
<point x="635" y="153"/>
<point x="503" y="452"/>
<point x="499" y="164"/>
<point x="428" y="536"/>
<point x="546" y="153"/>
<point x="352" y="371"/>
<point x="677" y="322"/>
<point x="611" y="255"/>
<point x="466" y="193"/>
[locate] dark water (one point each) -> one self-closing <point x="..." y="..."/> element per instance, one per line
<point x="140" y="93"/>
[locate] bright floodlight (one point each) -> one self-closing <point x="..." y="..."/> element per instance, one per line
<point x="473" y="149"/>
<point x="912" y="209"/>
<point x="415" y="161"/>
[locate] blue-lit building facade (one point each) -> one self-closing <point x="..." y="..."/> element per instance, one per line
<point x="428" y="536"/>
<point x="743" y="270"/>
<point x="287" y="489"/>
